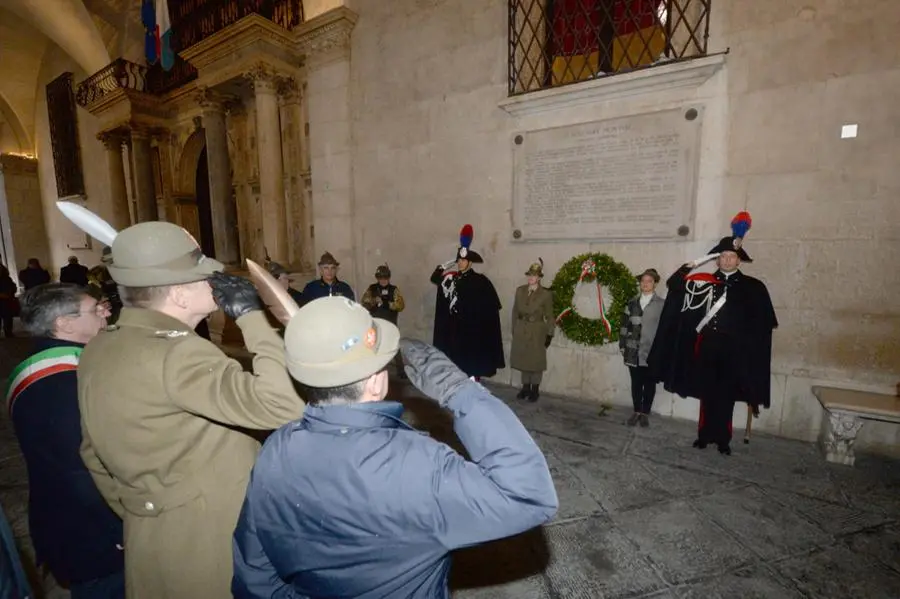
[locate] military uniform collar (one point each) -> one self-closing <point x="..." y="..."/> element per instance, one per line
<point x="735" y="276"/>
<point x="369" y="415"/>
<point x="144" y="318"/>
<point x="332" y="284"/>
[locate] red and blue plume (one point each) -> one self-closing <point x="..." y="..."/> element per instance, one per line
<point x="740" y="224"/>
<point x="466" y="234"/>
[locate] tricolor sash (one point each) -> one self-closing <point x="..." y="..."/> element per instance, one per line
<point x="40" y="365"/>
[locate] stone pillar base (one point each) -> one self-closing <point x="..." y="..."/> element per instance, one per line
<point x="838" y="435"/>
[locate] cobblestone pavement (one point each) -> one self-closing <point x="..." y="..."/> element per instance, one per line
<point x="643" y="514"/>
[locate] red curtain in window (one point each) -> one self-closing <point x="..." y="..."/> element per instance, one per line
<point x="584" y="40"/>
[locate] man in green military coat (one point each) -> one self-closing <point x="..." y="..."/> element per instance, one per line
<point x="532" y="331"/>
<point x="162" y="407"/>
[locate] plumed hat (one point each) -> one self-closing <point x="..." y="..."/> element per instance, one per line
<point x="536" y="269"/>
<point x="383" y="272"/>
<point x="740" y="225"/>
<point x="466" y="235"/>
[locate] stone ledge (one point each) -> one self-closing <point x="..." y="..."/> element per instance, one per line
<point x="689" y="73"/>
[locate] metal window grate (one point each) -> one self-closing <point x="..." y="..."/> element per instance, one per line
<point x="559" y="42"/>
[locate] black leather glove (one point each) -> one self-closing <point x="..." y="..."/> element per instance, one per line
<point x="548" y="340"/>
<point x="235" y="295"/>
<point x="432" y="372"/>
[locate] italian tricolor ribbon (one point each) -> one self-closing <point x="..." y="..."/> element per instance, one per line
<point x="587" y="268"/>
<point x="40" y="365"/>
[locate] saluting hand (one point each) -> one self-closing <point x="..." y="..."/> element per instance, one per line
<point x="431" y="371"/>
<point x="235" y="295"/>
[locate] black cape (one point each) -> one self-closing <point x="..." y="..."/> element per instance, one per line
<point x="671" y="360"/>
<point x="470" y="335"/>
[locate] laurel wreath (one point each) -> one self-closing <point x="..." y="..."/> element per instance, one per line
<point x="612" y="275"/>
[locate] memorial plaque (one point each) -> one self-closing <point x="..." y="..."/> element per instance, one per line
<point x="627" y="178"/>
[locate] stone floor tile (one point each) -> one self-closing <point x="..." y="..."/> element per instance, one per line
<point x="833" y="518"/>
<point x="592" y="559"/>
<point x="767" y="527"/>
<point x="575" y="500"/>
<point x="838" y="573"/>
<point x="684" y="544"/>
<point x="620" y="483"/>
<point x="753" y="583"/>
<point x="881" y="544"/>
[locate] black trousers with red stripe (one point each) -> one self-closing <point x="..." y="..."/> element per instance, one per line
<point x="718" y="364"/>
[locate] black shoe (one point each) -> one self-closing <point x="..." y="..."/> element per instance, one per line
<point x="535" y="393"/>
<point x="524" y="392"/>
<point x="725" y="449"/>
<point x="700" y="444"/>
<point x="644" y="420"/>
<point x="633" y="420"/>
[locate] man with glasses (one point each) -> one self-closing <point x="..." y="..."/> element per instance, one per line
<point x="75" y="533"/>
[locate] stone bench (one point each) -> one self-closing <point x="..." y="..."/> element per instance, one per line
<point x="846" y="411"/>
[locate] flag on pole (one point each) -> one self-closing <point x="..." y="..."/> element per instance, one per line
<point x="148" y="18"/>
<point x="164" y="35"/>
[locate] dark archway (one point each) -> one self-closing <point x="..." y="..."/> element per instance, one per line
<point x="204" y="211"/>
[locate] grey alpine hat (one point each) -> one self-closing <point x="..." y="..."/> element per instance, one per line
<point x="334" y="341"/>
<point x="157" y="253"/>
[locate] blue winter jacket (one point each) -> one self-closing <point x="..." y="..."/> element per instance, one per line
<point x="351" y="502"/>
<point x="319" y="288"/>
<point x="73" y="529"/>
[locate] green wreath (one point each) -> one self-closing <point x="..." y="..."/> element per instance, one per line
<point x="612" y="275"/>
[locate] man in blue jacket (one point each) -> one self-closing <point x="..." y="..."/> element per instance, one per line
<point x="74" y="531"/>
<point x="327" y="285"/>
<point x="350" y="501"/>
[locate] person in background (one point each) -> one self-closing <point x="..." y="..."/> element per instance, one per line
<point x="74" y="272"/>
<point x="33" y="275"/>
<point x="639" y="324"/>
<point x="104" y="287"/>
<point x="9" y="305"/>
<point x="281" y="275"/>
<point x="75" y="533"/>
<point x="327" y="284"/>
<point x="533" y="326"/>
<point x="380" y="507"/>
<point x="383" y="300"/>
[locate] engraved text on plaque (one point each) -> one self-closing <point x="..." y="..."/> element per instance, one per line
<point x="627" y="178"/>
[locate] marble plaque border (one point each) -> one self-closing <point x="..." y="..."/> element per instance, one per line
<point x="691" y="143"/>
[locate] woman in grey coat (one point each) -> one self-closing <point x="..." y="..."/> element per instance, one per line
<point x="639" y="325"/>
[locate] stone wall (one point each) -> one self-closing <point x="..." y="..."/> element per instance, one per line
<point x="431" y="151"/>
<point x="24" y="235"/>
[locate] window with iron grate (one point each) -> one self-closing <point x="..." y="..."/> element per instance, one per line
<point x="560" y="42"/>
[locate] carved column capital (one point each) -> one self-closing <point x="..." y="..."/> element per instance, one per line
<point x="328" y="41"/>
<point x="289" y="91"/>
<point x="263" y="78"/>
<point x="111" y="140"/>
<point x="209" y="100"/>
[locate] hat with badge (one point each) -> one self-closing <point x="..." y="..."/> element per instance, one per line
<point x="148" y="254"/>
<point x="383" y="272"/>
<point x="464" y="251"/>
<point x="536" y="269"/>
<point x="740" y="225"/>
<point x="275" y="269"/>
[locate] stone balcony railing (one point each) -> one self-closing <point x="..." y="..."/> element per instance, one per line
<point x="122" y="74"/>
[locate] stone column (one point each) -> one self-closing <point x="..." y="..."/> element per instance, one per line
<point x="222" y="207"/>
<point x="326" y="46"/>
<point x="120" y="214"/>
<point x="142" y="167"/>
<point x="271" y="167"/>
<point x="295" y="165"/>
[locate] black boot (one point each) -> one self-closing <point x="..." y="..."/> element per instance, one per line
<point x="524" y="392"/>
<point x="724" y="448"/>
<point x="535" y="393"/>
<point x="700" y="444"/>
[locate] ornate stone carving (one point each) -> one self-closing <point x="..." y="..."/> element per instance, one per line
<point x="111" y="140"/>
<point x="838" y="436"/>
<point x="330" y="40"/>
<point x="289" y="91"/>
<point x="263" y="78"/>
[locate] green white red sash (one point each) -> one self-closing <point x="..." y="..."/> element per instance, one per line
<point x="40" y="365"/>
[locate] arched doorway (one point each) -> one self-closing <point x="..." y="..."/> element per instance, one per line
<point x="204" y="210"/>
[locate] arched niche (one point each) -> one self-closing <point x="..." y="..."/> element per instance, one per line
<point x="12" y="126"/>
